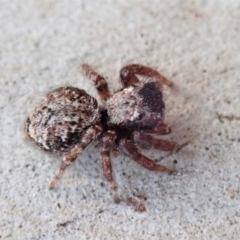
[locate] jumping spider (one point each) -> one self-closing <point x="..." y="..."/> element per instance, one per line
<point x="68" y="119"/>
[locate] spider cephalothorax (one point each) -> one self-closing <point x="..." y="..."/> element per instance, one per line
<point x="68" y="119"/>
<point x="139" y="106"/>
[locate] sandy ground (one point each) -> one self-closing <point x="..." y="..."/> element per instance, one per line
<point x="196" y="45"/>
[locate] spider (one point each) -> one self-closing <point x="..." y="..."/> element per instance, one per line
<point x="68" y="119"/>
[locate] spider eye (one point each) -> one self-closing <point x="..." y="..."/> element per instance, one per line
<point x="140" y="116"/>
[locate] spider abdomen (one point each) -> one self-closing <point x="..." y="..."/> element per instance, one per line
<point x="58" y="121"/>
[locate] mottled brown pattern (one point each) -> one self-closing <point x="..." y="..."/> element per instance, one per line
<point x="99" y="82"/>
<point x="58" y="121"/>
<point x="68" y="120"/>
<point x="91" y="134"/>
<point x="141" y="104"/>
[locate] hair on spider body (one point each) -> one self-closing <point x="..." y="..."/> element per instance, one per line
<point x="121" y="131"/>
<point x="139" y="107"/>
<point x="59" y="120"/>
<point x="68" y="119"/>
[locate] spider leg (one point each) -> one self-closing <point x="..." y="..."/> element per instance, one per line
<point x="161" y="129"/>
<point x="91" y="134"/>
<point x="128" y="75"/>
<point x="146" y="141"/>
<point x="132" y="151"/>
<point x="106" y="162"/>
<point x="99" y="82"/>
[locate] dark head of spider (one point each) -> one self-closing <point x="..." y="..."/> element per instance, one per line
<point x="137" y="107"/>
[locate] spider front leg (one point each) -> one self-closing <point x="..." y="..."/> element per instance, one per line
<point x="128" y="75"/>
<point x="91" y="134"/>
<point x="108" y="140"/>
<point x="146" y="141"/>
<point x="132" y="151"/>
<point x="99" y="82"/>
<point x="161" y="129"/>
